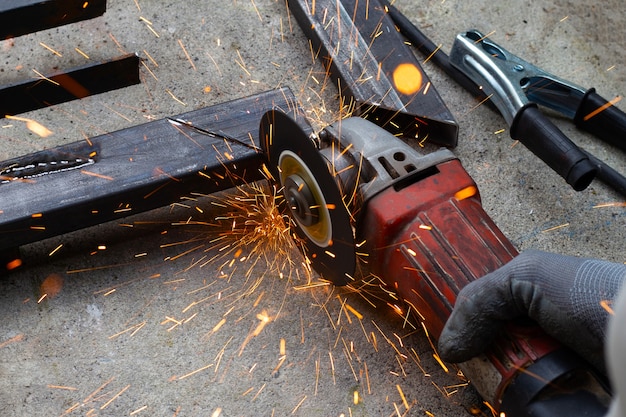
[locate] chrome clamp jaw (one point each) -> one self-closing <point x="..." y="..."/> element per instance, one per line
<point x="509" y="81"/>
<point x="516" y="87"/>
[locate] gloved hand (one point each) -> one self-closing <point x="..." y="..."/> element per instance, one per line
<point x="566" y="296"/>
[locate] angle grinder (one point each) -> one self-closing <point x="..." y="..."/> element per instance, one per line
<point x="364" y="202"/>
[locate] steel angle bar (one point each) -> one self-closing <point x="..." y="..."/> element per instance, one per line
<point x="60" y="87"/>
<point x="19" y="17"/>
<point x="133" y="170"/>
<point x="359" y="45"/>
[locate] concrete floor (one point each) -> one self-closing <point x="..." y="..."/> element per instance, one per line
<point x="128" y="330"/>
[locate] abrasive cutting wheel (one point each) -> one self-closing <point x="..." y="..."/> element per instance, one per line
<point x="312" y="197"/>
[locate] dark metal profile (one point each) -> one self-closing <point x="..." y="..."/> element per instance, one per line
<point x="133" y="170"/>
<point x="19" y="17"/>
<point x="77" y="83"/>
<point x="361" y="48"/>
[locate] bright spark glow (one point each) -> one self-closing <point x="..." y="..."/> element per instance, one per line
<point x="32" y="125"/>
<point x="251" y="230"/>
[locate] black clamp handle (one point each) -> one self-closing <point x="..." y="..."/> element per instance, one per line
<point x="602" y="119"/>
<point x="535" y="131"/>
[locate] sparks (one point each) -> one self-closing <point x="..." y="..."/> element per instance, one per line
<point x="602" y="108"/>
<point x="180" y="42"/>
<point x="57" y="53"/>
<point x="251" y="229"/>
<point x="32" y="125"/>
<point x="555" y="228"/>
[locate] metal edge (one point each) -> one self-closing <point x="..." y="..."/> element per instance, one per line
<point x="361" y="48"/>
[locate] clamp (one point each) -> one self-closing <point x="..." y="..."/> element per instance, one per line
<point x="516" y="88"/>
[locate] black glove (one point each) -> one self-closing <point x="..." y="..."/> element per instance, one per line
<point x="566" y="296"/>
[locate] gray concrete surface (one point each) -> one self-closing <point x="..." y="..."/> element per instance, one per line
<point x="126" y="330"/>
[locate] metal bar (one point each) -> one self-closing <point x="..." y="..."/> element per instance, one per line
<point x="362" y="50"/>
<point x="77" y="83"/>
<point x="19" y="17"/>
<point x="133" y="170"/>
<point x="433" y="52"/>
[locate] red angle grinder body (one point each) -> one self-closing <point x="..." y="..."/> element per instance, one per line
<point x="422" y="230"/>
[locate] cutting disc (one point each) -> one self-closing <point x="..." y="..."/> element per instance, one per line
<point x="312" y="197"/>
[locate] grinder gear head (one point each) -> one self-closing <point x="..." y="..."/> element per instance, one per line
<point x="326" y="187"/>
